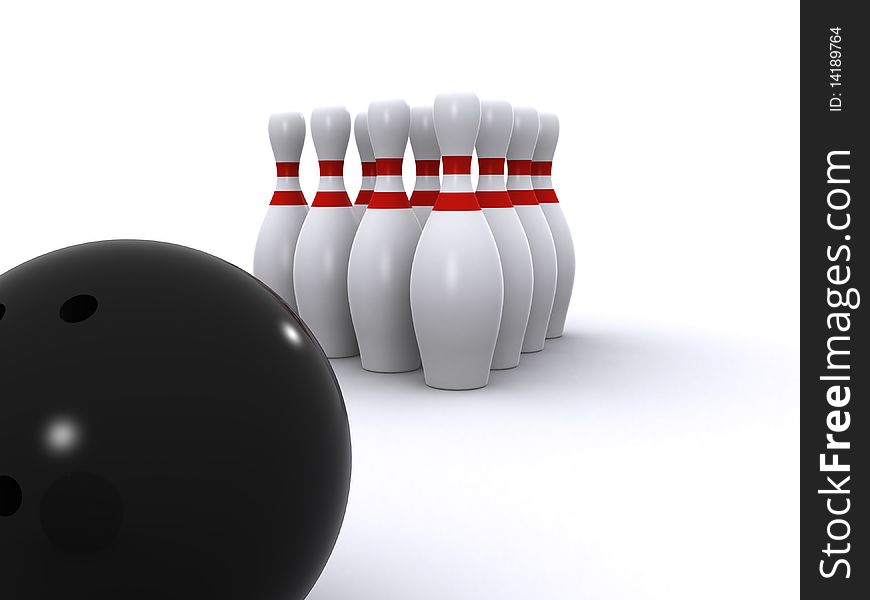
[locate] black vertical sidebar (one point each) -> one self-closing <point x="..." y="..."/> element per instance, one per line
<point x="835" y="372"/>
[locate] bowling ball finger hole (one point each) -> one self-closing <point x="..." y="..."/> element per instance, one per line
<point x="10" y="496"/>
<point x="78" y="308"/>
<point x="2" y="310"/>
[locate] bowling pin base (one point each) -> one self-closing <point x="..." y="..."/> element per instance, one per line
<point x="453" y="386"/>
<point x="557" y="320"/>
<point x="336" y="348"/>
<point x="532" y="350"/>
<point x="389" y="369"/>
<point x="494" y="368"/>
<point x="338" y="355"/>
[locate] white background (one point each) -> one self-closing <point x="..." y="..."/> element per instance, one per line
<point x="650" y="453"/>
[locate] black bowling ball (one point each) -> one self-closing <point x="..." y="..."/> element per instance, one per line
<point x="168" y="429"/>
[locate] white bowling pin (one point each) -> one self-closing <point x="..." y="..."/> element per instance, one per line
<point x="496" y="123"/>
<point x="367" y="158"/>
<point x="519" y="185"/>
<point x="379" y="272"/>
<point x="542" y="165"/>
<point x="427" y="156"/>
<point x="276" y="244"/>
<point x="456" y="281"/>
<point x="320" y="267"/>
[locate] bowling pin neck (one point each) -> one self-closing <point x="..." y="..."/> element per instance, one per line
<point x="367" y="185"/>
<point x="363" y="197"/>
<point x="543" y="182"/>
<point x="541" y="175"/>
<point x="457" y="192"/>
<point x="369" y="172"/>
<point x="287" y="189"/>
<point x="331" y="176"/>
<point x="368" y="182"/>
<point x="430" y="168"/>
<point x="457" y="174"/>
<point x="457" y="165"/>
<point x="428" y="183"/>
<point x="389" y="175"/>
<point x="331" y="191"/>
<point x="389" y="188"/>
<point x="491" y="190"/>
<point x="519" y="182"/>
<point x="519" y="175"/>
<point x="491" y="175"/>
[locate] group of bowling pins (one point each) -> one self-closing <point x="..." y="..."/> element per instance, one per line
<point x="463" y="280"/>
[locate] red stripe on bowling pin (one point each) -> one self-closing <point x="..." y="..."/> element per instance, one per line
<point x="363" y="197"/>
<point x="287" y="169"/>
<point x="428" y="168"/>
<point x="542" y="168"/>
<point x="520" y="167"/>
<point x="491" y="166"/>
<point x="389" y="167"/>
<point x="546" y="196"/>
<point x="287" y="198"/>
<point x="424" y="197"/>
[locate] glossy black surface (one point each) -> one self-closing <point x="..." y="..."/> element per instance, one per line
<point x="168" y="429"/>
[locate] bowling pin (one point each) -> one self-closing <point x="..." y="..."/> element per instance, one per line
<point x="367" y="158"/>
<point x="427" y="157"/>
<point x="379" y="271"/>
<point x="276" y="243"/>
<point x="496" y="123"/>
<point x="519" y="185"/>
<point x="456" y="281"/>
<point x="323" y="249"/>
<point x="542" y="165"/>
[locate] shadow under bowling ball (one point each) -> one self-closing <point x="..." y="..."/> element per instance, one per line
<point x="169" y="428"/>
